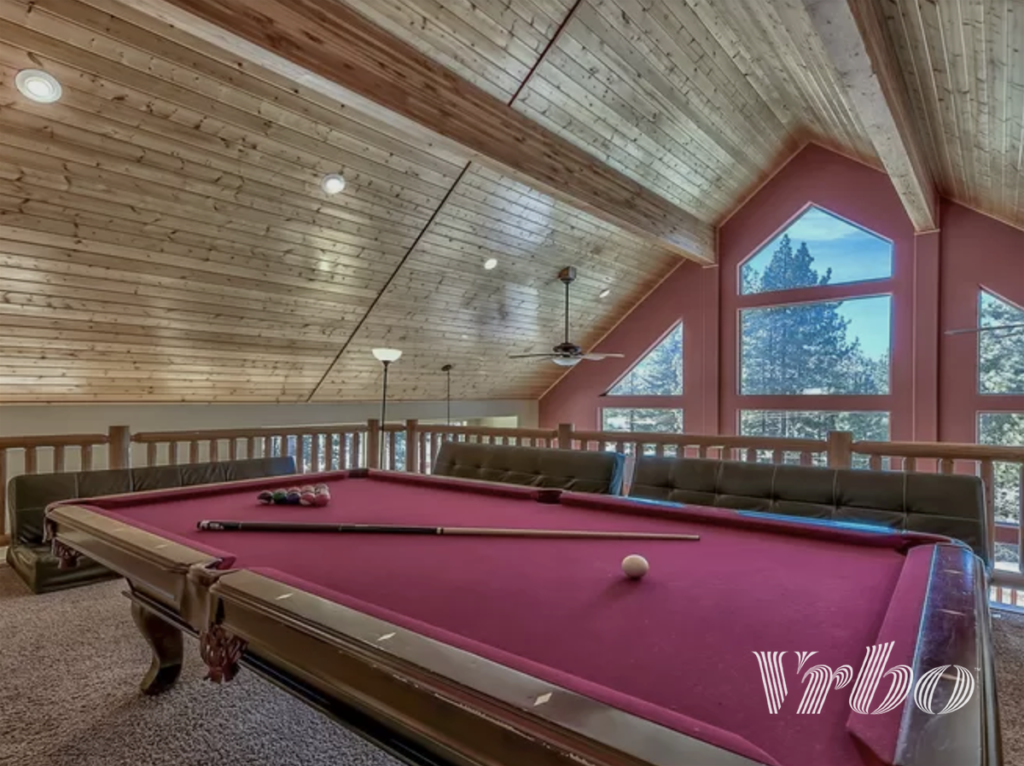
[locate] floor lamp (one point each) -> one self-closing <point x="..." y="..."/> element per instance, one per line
<point x="447" y="370"/>
<point x="385" y="356"/>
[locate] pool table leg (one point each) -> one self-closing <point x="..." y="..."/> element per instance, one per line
<point x="166" y="642"/>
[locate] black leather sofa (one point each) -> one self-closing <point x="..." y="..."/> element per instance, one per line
<point x="950" y="505"/>
<point x="29" y="495"/>
<point x="596" y="472"/>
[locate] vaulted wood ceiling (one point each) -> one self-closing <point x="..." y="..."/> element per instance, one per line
<point x="163" y="234"/>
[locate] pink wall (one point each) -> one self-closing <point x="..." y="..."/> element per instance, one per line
<point x="975" y="252"/>
<point x="934" y="284"/>
<point x="688" y="294"/>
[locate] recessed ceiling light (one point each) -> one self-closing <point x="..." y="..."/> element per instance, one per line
<point x="604" y="293"/>
<point x="38" y="85"/>
<point x="333" y="183"/>
<point x="490" y="263"/>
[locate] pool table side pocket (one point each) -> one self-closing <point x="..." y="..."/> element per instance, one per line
<point x="462" y="706"/>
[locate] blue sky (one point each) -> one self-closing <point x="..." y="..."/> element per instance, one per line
<point x="854" y="255"/>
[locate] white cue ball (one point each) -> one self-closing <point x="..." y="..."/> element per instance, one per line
<point x="635" y="566"/>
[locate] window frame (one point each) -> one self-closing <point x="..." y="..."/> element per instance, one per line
<point x="785" y="227"/>
<point x="894" y="403"/>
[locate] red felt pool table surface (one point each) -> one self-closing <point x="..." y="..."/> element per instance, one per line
<point x="675" y="647"/>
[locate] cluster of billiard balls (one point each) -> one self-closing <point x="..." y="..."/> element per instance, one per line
<point x="308" y="495"/>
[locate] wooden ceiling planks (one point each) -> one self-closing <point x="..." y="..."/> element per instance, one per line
<point x="443" y="308"/>
<point x="169" y="206"/>
<point x="628" y="82"/>
<point x="343" y="53"/>
<point x="963" y="66"/>
<point x="163" y="236"/>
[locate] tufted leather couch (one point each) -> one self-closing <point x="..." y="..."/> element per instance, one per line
<point x="31" y="558"/>
<point x="597" y="472"/>
<point x="950" y="505"/>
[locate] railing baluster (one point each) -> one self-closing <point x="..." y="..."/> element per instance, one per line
<point x="875" y="462"/>
<point x="86" y="457"/>
<point x="343" y="452"/>
<point x="31" y="460"/>
<point x="357" y="452"/>
<point x="947" y="465"/>
<point x="214" y="450"/>
<point x="329" y="451"/>
<point x="193" y="451"/>
<point x="151" y="453"/>
<point x="232" y="449"/>
<point x="268" y="446"/>
<point x="316" y="453"/>
<point x="58" y="464"/>
<point x="250" y="447"/>
<point x="910" y="464"/>
<point x="751" y="455"/>
<point x="702" y="451"/>
<point x="806" y="458"/>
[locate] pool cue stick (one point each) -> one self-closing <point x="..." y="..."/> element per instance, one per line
<point x="288" y="526"/>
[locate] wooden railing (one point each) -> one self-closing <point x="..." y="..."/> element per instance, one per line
<point x="413" y="446"/>
<point x="315" y="448"/>
<point x="56" y="454"/>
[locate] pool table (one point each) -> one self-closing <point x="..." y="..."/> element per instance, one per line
<point x="516" y="651"/>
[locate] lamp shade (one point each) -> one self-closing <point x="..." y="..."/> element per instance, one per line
<point x="563" y="361"/>
<point x="387" y="354"/>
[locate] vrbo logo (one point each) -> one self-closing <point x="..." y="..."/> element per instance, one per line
<point x="820" y="679"/>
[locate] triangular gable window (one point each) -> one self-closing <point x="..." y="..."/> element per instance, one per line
<point x="659" y="372"/>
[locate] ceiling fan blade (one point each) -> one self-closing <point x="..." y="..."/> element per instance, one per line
<point x="599" y="357"/>
<point x="966" y="330"/>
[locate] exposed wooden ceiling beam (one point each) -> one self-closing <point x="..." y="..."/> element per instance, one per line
<point x="326" y="46"/>
<point x="853" y="33"/>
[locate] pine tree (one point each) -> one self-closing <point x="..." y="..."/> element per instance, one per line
<point x="804" y="349"/>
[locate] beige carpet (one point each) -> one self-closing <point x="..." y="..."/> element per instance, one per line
<point x="70" y="663"/>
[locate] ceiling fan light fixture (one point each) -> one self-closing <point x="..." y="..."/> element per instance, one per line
<point x="37" y="85"/>
<point x="604" y="293"/>
<point x="333" y="183"/>
<point x="566" y="361"/>
<point x="490" y="263"/>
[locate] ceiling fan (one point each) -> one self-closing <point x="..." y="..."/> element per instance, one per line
<point x="567" y="353"/>
<point x="1016" y="326"/>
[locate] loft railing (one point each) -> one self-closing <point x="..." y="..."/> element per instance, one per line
<point x="413" y="446"/>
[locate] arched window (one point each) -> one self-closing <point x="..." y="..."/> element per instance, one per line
<point x="794" y="344"/>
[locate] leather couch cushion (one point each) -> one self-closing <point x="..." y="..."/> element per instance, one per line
<point x="950" y="505"/>
<point x="596" y="472"/>
<point x="30" y="495"/>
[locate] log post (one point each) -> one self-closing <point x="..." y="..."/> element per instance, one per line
<point x="565" y="435"/>
<point x="119" y="447"/>
<point x="373" y="436"/>
<point x="412" y="446"/>
<point x="840" y="449"/>
<point x="5" y="539"/>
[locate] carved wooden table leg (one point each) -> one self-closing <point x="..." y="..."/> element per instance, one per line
<point x="166" y="642"/>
